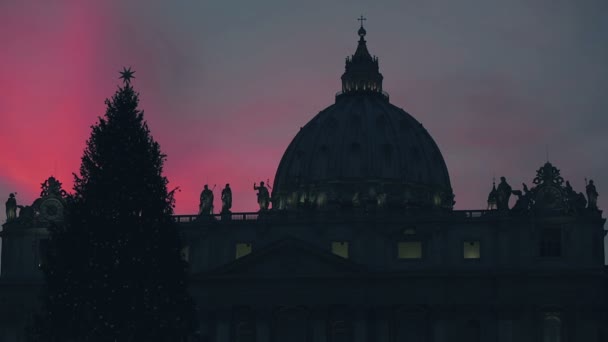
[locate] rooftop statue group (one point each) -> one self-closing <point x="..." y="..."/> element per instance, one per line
<point x="206" y="199"/>
<point x="550" y="193"/>
<point x="547" y="194"/>
<point x="41" y="208"/>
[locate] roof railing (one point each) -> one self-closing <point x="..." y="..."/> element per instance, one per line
<point x="383" y="93"/>
<point x="253" y="216"/>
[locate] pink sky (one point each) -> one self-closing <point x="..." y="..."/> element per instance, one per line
<point x="224" y="90"/>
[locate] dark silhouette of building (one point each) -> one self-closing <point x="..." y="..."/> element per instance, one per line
<point x="362" y="244"/>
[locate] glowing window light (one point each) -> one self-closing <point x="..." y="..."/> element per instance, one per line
<point x="471" y="250"/>
<point x="340" y="248"/>
<point x="242" y="249"/>
<point x="410" y="250"/>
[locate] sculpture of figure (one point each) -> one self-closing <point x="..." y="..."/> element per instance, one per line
<point x="503" y="193"/>
<point x="591" y="195"/>
<point x="206" y="202"/>
<point x="581" y="201"/>
<point x="572" y="199"/>
<point x="569" y="189"/>
<point x="11" y="208"/>
<point x="226" y="199"/>
<point x="523" y="199"/>
<point x="263" y="196"/>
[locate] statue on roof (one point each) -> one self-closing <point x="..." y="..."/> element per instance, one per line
<point x="226" y="199"/>
<point x="575" y="201"/>
<point x="492" y="197"/>
<point x="263" y="196"/>
<point x="206" y="201"/>
<point x="11" y="208"/>
<point x="503" y="193"/>
<point x="524" y="199"/>
<point x="591" y="195"/>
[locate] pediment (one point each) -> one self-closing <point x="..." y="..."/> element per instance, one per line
<point x="288" y="258"/>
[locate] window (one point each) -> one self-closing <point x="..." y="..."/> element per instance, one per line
<point x="245" y="331"/>
<point x="409" y="231"/>
<point x="410" y="250"/>
<point x="473" y="331"/>
<point x="471" y="250"/>
<point x="340" y="248"/>
<point x="551" y="242"/>
<point x="242" y="249"/>
<point x="340" y="331"/>
<point x="552" y="327"/>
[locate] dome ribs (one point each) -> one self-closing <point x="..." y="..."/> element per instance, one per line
<point x="398" y="164"/>
<point x="362" y="150"/>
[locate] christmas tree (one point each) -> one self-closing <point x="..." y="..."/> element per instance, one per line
<point x="114" y="272"/>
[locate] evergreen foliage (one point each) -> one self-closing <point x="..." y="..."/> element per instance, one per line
<point x="114" y="270"/>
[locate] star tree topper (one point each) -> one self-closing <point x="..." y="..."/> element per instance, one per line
<point x="126" y="75"/>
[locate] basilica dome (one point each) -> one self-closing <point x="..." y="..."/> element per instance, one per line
<point x="362" y="151"/>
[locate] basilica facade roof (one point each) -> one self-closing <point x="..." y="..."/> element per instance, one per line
<point x="362" y="151"/>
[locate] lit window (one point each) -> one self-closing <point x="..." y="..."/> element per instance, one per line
<point x="410" y="250"/>
<point x="340" y="248"/>
<point x="242" y="249"/>
<point x="471" y="250"/>
<point x="186" y="253"/>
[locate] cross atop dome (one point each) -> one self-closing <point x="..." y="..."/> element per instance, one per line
<point x="361" y="19"/>
<point x="361" y="31"/>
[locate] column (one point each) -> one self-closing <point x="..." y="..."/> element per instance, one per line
<point x="438" y="330"/>
<point x="222" y="330"/>
<point x="382" y="325"/>
<point x="360" y="325"/>
<point x="263" y="320"/>
<point x="319" y="325"/>
<point x="505" y="330"/>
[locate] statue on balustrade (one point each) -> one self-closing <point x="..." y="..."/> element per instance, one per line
<point x="503" y="193"/>
<point x="263" y="196"/>
<point x="11" y="208"/>
<point x="591" y="195"/>
<point x="226" y="199"/>
<point x="206" y="202"/>
<point x="524" y="199"/>
<point x="576" y="201"/>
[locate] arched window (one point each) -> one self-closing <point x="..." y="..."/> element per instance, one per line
<point x="339" y="331"/>
<point x="244" y="325"/>
<point x="552" y="327"/>
<point x="245" y="331"/>
<point x="473" y="331"/>
<point x="297" y="164"/>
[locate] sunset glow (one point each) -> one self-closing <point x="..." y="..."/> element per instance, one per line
<point x="225" y="91"/>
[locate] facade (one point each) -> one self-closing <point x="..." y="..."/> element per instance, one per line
<point x="362" y="244"/>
